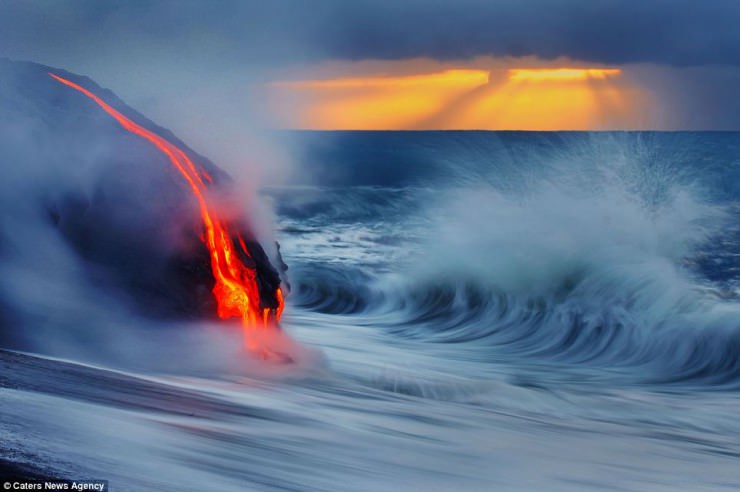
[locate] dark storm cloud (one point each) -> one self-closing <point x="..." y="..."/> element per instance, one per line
<point x="676" y="32"/>
<point x="625" y="31"/>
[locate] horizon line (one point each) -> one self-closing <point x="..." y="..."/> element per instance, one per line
<point x="413" y="130"/>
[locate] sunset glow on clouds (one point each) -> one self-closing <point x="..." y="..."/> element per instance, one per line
<point x="520" y="98"/>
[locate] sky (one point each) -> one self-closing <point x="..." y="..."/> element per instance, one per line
<point x="219" y="72"/>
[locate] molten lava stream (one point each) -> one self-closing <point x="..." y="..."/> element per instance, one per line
<point x="235" y="288"/>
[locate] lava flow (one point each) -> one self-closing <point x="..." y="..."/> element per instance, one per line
<point x="236" y="290"/>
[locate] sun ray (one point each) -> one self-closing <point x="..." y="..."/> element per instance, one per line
<point x="562" y="98"/>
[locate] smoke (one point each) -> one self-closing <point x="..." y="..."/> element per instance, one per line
<point x="99" y="235"/>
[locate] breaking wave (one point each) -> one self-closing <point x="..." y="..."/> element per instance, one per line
<point x="597" y="263"/>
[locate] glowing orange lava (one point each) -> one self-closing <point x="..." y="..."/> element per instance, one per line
<point x="235" y="288"/>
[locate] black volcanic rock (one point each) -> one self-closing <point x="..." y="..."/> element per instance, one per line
<point x="110" y="196"/>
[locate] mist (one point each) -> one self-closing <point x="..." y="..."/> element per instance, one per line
<point x="100" y="235"/>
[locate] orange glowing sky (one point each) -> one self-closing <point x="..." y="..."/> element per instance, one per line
<point x="519" y="98"/>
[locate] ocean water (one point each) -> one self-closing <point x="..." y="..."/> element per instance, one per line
<point x="468" y="311"/>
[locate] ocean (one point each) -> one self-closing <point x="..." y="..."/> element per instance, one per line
<point x="511" y="311"/>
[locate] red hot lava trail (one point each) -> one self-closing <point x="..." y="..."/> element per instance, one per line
<point x="235" y="289"/>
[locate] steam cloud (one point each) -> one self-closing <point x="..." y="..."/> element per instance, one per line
<point x="99" y="235"/>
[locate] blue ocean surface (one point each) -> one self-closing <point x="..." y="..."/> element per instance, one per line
<point x="610" y="255"/>
<point x="486" y="311"/>
<point x="569" y="301"/>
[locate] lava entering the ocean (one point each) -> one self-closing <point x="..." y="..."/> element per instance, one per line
<point x="236" y="287"/>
